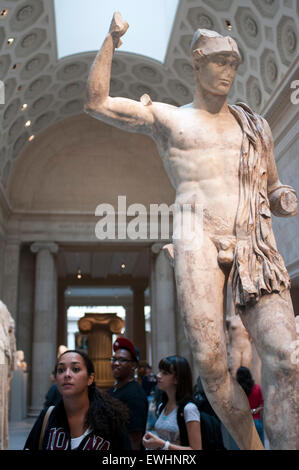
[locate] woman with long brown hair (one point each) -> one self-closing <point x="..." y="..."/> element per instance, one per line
<point x="177" y="406"/>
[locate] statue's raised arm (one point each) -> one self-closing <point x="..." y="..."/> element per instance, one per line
<point x="127" y="114"/>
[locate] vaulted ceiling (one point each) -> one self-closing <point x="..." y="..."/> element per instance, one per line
<point x="52" y="90"/>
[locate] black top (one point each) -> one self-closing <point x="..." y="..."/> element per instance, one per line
<point x="52" y="397"/>
<point x="57" y="435"/>
<point x="133" y="395"/>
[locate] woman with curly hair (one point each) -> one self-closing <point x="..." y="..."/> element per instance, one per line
<point x="84" y="419"/>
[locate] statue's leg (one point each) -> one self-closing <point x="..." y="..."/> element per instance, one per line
<point x="271" y="324"/>
<point x="200" y="288"/>
<point x="235" y="362"/>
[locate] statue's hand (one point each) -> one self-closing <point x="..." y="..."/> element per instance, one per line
<point x="118" y="28"/>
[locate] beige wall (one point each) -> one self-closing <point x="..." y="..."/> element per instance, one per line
<point x="80" y="162"/>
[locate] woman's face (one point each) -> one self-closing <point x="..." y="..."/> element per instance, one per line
<point x="72" y="377"/>
<point x="166" y="380"/>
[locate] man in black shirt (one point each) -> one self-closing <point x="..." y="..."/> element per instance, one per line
<point x="127" y="390"/>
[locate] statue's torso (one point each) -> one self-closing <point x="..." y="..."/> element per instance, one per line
<point x="201" y="154"/>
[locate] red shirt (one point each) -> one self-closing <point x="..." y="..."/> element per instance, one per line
<point x="256" y="399"/>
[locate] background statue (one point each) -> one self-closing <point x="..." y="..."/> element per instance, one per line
<point x="20" y="360"/>
<point x="239" y="345"/>
<point x="61" y="349"/>
<point x="220" y="158"/>
<point x="7" y="366"/>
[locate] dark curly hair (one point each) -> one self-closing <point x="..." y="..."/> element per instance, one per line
<point x="106" y="415"/>
<point x="245" y="379"/>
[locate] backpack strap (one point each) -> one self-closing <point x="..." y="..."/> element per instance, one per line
<point x="182" y="425"/>
<point x="44" y="426"/>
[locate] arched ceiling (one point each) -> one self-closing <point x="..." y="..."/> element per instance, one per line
<point x="266" y="31"/>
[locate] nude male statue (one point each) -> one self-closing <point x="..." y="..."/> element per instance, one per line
<point x="221" y="157"/>
<point x="239" y="347"/>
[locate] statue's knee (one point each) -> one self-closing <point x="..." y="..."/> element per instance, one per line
<point x="213" y="368"/>
<point x="285" y="359"/>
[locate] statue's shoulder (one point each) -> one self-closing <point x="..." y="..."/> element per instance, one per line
<point x="244" y="108"/>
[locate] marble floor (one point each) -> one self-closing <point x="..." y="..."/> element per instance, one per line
<point x="18" y="432"/>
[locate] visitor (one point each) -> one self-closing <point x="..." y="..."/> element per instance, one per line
<point x="255" y="398"/>
<point x="127" y="389"/>
<point x="149" y="380"/>
<point x="84" y="419"/>
<point x="175" y="381"/>
<point x="53" y="396"/>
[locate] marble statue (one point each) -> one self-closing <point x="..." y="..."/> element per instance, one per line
<point x="20" y="360"/>
<point x="61" y="349"/>
<point x="220" y="157"/>
<point x="239" y="345"/>
<point x="7" y="366"/>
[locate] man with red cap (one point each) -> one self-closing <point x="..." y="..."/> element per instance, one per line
<point x="127" y="390"/>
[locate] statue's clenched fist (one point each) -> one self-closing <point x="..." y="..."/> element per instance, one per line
<point x="118" y="28"/>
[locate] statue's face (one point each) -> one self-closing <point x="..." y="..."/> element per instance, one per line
<point x="216" y="73"/>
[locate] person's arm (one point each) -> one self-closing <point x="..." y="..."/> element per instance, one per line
<point x="124" y="113"/>
<point x="283" y="198"/>
<point x="151" y="441"/>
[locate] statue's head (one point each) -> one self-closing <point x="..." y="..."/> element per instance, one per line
<point x="206" y="42"/>
<point x="215" y="61"/>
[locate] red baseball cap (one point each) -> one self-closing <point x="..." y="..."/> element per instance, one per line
<point x="125" y="343"/>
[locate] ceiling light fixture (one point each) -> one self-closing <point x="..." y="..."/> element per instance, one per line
<point x="31" y="138"/>
<point x="10" y="41"/>
<point x="4" y="12"/>
<point x="27" y="123"/>
<point x="24" y="106"/>
<point x="228" y="25"/>
<point x="123" y="266"/>
<point x="79" y="274"/>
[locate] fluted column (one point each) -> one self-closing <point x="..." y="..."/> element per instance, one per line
<point x="44" y="323"/>
<point x="162" y="306"/>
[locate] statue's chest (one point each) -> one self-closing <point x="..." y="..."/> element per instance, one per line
<point x="208" y="135"/>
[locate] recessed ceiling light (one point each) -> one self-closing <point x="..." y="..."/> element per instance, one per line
<point x="10" y="41"/>
<point x="4" y="12"/>
<point x="31" y="138"/>
<point x="123" y="266"/>
<point x="228" y="25"/>
<point x="79" y="274"/>
<point x="27" y="123"/>
<point x="24" y="106"/>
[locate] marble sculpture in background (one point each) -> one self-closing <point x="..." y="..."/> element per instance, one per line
<point x="7" y="366"/>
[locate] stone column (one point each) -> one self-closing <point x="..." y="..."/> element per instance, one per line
<point x="11" y="275"/>
<point x="139" y="338"/>
<point x="129" y="324"/>
<point x="44" y="324"/>
<point x="163" y="306"/>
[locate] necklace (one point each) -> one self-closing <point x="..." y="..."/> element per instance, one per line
<point x="165" y="416"/>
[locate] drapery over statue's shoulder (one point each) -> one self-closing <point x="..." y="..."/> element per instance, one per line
<point x="257" y="268"/>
